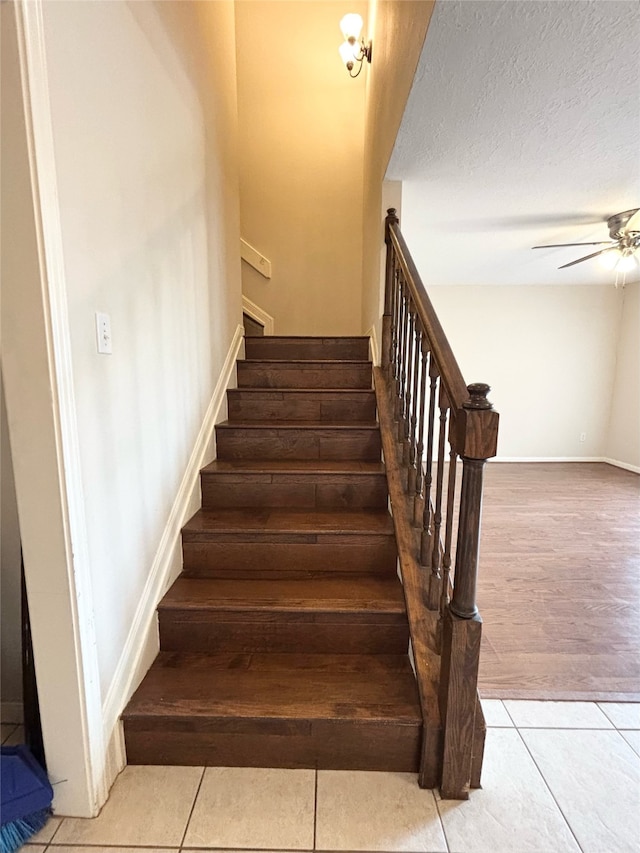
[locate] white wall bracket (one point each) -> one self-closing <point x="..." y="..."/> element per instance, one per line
<point x="255" y="259"/>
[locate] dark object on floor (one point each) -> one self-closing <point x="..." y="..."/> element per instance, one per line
<point x="25" y="797"/>
<point x="32" y="726"/>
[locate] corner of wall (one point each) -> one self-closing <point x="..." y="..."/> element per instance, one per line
<point x="622" y="441"/>
<point x="142" y="643"/>
<point x="375" y="349"/>
<point x="256" y="313"/>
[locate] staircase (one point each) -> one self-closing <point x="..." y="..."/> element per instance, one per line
<point x="284" y="641"/>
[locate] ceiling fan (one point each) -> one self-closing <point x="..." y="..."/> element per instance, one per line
<point x="620" y="250"/>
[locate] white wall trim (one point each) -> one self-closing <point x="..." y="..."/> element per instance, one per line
<point x="375" y="349"/>
<point x="142" y="632"/>
<point x="618" y="464"/>
<point x="11" y="712"/>
<point x="85" y="691"/>
<point x="258" y="315"/>
<point x="626" y="465"/>
<point x="547" y="459"/>
<point x="255" y="259"/>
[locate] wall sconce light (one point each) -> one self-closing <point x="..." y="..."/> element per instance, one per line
<point x="354" y="48"/>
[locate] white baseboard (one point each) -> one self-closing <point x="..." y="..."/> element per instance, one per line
<point x="12" y="712"/>
<point x="142" y="642"/>
<point x="116" y="757"/>
<point x="547" y="459"/>
<point x="375" y="349"/>
<point x="626" y="465"/>
<point x="256" y="313"/>
<point x="617" y="463"/>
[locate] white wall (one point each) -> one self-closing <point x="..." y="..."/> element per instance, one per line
<point x="548" y="352"/>
<point x="131" y="158"/>
<point x="623" y="437"/>
<point x="65" y="668"/>
<point x="144" y="121"/>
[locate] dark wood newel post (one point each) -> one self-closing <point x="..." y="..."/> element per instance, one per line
<point x="463" y="603"/>
<point x="385" y="359"/>
<point x="477" y="435"/>
<point x="475" y="441"/>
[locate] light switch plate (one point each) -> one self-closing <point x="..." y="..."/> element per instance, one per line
<point x="103" y="332"/>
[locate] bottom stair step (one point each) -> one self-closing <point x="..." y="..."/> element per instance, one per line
<point x="341" y="712"/>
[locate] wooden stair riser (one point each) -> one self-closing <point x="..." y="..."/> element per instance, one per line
<point x="271" y="710"/>
<point x="323" y="444"/>
<point x="316" y="744"/>
<point x="307" y="348"/>
<point x="300" y="374"/>
<point x="303" y="556"/>
<point x="248" y="632"/>
<point x="301" y="405"/>
<point x="320" y="491"/>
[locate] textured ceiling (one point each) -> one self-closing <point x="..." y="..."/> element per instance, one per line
<point x="522" y="127"/>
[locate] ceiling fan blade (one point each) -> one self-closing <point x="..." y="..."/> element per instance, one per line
<point x="560" y="245"/>
<point x="491" y="223"/>
<point x="586" y="258"/>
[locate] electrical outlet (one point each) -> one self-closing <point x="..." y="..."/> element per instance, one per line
<point x="583" y="436"/>
<point x="103" y="332"/>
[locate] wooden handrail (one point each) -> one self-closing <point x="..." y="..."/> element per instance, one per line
<point x="431" y="408"/>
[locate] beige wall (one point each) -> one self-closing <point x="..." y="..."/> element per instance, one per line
<point x="399" y="28"/>
<point x="548" y="354"/>
<point x="623" y="439"/>
<point x="301" y="148"/>
<point x="144" y="122"/>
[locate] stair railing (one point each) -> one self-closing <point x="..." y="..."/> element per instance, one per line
<point x="439" y="421"/>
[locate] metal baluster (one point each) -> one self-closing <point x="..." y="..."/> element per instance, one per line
<point x="412" y="475"/>
<point x="435" y="578"/>
<point x="394" y="329"/>
<point x="401" y="361"/>
<point x="425" y="539"/>
<point x="408" y="399"/>
<point x="418" y="498"/>
<point x="396" y="341"/>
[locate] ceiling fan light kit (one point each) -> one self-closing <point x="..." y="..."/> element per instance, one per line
<point x="621" y="250"/>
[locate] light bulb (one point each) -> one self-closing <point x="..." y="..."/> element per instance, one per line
<point x="626" y="263"/>
<point x="351" y="26"/>
<point x="348" y="53"/>
<point x="609" y="258"/>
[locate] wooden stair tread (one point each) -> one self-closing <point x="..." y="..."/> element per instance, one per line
<point x="323" y="391"/>
<point x="305" y="362"/>
<point x="285" y="520"/>
<point x="278" y="687"/>
<point x="362" y="597"/>
<point x="293" y="466"/>
<point x="314" y="338"/>
<point x="299" y="424"/>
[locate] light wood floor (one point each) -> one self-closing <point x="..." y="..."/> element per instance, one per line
<point x="559" y="587"/>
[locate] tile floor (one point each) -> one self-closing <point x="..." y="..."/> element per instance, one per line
<point x="559" y="777"/>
